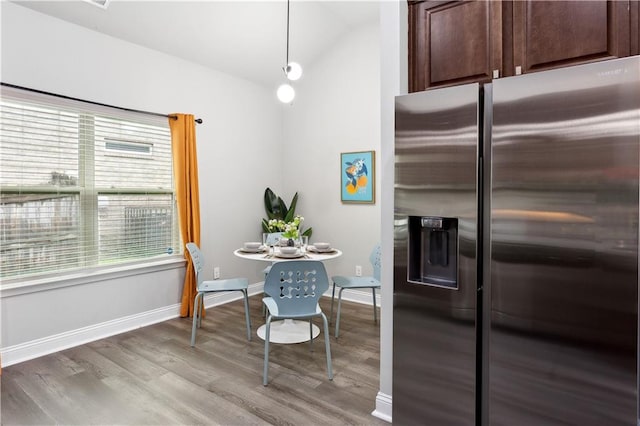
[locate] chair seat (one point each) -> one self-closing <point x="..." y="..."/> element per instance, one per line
<point x="273" y="309"/>
<point x="355" y="282"/>
<point x="224" y="285"/>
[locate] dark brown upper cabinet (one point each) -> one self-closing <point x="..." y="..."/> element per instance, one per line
<point x="456" y="42"/>
<point x="453" y="42"/>
<point x="552" y="34"/>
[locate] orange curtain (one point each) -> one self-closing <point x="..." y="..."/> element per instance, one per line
<point x="185" y="172"/>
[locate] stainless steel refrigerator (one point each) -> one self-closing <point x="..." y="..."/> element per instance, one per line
<point x="516" y="250"/>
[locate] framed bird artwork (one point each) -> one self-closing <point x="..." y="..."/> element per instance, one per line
<point x="358" y="177"/>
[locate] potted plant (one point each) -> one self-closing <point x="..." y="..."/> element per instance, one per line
<point x="281" y="218"/>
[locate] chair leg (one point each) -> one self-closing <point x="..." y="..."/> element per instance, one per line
<point x="375" y="311"/>
<point x="246" y="313"/>
<point x="196" y="312"/>
<point x="201" y="306"/>
<point x="266" y="351"/>
<point x="327" y="346"/>
<point x="264" y="307"/>
<point x="338" y="313"/>
<point x="333" y="293"/>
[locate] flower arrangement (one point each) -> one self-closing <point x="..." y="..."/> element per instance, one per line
<point x="281" y="218"/>
<point x="290" y="230"/>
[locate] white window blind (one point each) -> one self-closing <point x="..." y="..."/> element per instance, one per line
<point x="81" y="186"/>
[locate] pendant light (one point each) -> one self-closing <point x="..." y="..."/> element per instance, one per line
<point x="286" y="93"/>
<point x="293" y="72"/>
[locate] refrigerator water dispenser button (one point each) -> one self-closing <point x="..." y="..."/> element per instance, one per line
<point x="431" y="222"/>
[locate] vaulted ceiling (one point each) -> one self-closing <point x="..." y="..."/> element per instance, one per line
<point x="244" y="38"/>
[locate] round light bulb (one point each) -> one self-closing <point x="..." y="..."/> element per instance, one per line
<point x="286" y="93"/>
<point x="294" y="71"/>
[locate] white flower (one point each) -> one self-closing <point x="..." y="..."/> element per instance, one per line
<point x="288" y="229"/>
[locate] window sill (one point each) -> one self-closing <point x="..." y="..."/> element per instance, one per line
<point x="51" y="283"/>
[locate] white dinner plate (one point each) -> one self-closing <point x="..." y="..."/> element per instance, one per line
<point x="289" y="256"/>
<point x="256" y="250"/>
<point x="324" y="251"/>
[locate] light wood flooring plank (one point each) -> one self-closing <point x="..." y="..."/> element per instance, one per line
<point x="13" y="403"/>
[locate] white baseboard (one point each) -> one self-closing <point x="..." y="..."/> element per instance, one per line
<point x="356" y="296"/>
<point x="68" y="339"/>
<point x="50" y="344"/>
<point x="383" y="407"/>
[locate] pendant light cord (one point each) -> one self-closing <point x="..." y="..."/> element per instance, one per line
<point x="286" y="64"/>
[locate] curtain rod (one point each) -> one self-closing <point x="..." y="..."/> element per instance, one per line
<point x="197" y="120"/>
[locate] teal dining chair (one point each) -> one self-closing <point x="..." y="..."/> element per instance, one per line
<point x="203" y="287"/>
<point x="293" y="289"/>
<point x="372" y="282"/>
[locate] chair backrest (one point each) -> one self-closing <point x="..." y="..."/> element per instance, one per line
<point x="296" y="286"/>
<point x="273" y="238"/>
<point x="198" y="261"/>
<point x="374" y="258"/>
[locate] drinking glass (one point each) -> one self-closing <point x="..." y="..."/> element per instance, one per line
<point x="304" y="241"/>
<point x="265" y="242"/>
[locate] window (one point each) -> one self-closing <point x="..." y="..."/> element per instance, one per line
<point x="81" y="186"/>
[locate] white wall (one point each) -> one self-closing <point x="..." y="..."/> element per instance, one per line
<point x="241" y="133"/>
<point x="337" y="109"/>
<point x="393" y="81"/>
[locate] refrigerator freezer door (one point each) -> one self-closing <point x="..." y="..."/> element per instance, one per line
<point x="564" y="246"/>
<point x="436" y="193"/>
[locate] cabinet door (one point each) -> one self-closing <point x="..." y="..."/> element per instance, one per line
<point x="453" y="43"/>
<point x="552" y="34"/>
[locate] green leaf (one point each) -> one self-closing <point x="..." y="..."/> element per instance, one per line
<point x="271" y="204"/>
<point x="265" y="225"/>
<point x="308" y="232"/>
<point x="282" y="209"/>
<point x="292" y="209"/>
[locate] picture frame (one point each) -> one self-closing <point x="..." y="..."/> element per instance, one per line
<point x="358" y="177"/>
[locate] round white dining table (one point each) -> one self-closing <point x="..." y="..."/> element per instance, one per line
<point x="288" y="330"/>
<point x="277" y="257"/>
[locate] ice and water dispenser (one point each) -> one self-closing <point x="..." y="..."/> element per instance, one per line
<point x="433" y="251"/>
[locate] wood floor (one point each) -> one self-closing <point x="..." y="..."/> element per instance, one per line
<point x="152" y="376"/>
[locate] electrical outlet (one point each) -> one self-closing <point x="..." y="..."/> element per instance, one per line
<point x="358" y="271"/>
<point x="216" y="272"/>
